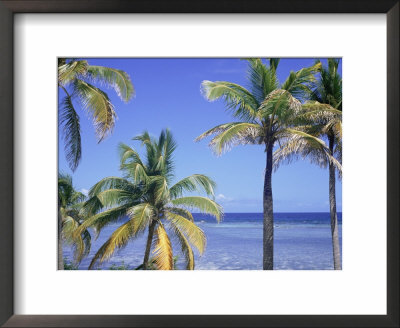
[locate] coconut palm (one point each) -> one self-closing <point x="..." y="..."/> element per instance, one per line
<point x="70" y="218"/>
<point x="75" y="78"/>
<point x="323" y="119"/>
<point x="146" y="196"/>
<point x="267" y="113"/>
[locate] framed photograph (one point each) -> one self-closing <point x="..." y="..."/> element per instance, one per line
<point x="198" y="163"/>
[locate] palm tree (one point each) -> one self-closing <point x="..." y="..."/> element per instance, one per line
<point x="75" y="78"/>
<point x="145" y="195"/>
<point x="70" y="218"/>
<point x="266" y="113"/>
<point x="323" y="119"/>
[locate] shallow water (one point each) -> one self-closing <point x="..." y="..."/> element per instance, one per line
<point x="302" y="241"/>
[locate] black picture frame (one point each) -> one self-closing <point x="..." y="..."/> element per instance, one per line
<point x="10" y="7"/>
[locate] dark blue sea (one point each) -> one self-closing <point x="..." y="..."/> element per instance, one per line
<point x="302" y="241"/>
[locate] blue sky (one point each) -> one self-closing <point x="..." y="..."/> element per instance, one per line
<point x="168" y="96"/>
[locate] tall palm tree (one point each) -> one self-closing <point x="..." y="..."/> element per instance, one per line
<point x="323" y="119"/>
<point x="145" y="195"/>
<point x="70" y="218"/>
<point x="75" y="78"/>
<point x="266" y="113"/>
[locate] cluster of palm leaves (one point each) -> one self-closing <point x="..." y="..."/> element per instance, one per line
<point x="296" y="115"/>
<point x="148" y="201"/>
<point x="71" y="216"/>
<point x="77" y="79"/>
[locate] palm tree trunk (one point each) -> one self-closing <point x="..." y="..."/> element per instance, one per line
<point x="268" y="227"/>
<point x="337" y="262"/>
<point x="148" y="244"/>
<point x="60" y="257"/>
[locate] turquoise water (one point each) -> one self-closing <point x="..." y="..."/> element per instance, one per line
<point x="302" y="241"/>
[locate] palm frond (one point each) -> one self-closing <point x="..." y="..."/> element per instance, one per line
<point x="203" y="204"/>
<point x="112" y="183"/>
<point x="98" y="105"/>
<point x="113" y="197"/>
<point x="141" y="215"/>
<point x="185" y="247"/>
<point x="100" y="220"/>
<point x="81" y="242"/>
<point x="193" y="233"/>
<point x="180" y="211"/>
<point x="162" y="249"/>
<point x="195" y="182"/>
<point x="305" y="146"/>
<point x="233" y="134"/>
<point x="263" y="79"/>
<point x="300" y="83"/>
<point x="118" y="239"/>
<point x="68" y="72"/>
<point x="237" y="99"/>
<point x="71" y="132"/>
<point x="115" y="78"/>
<point x="279" y="105"/>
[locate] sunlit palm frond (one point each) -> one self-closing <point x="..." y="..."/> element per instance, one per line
<point x="118" y="239"/>
<point x="233" y="134"/>
<point x="195" y="182"/>
<point x="300" y="83"/>
<point x="180" y="211"/>
<point x="71" y="132"/>
<point x="203" y="204"/>
<point x="185" y="247"/>
<point x="98" y="105"/>
<point x="193" y="233"/>
<point x="302" y="145"/>
<point x="162" y="249"/>
<point x="80" y="242"/>
<point x="141" y="215"/>
<point x="68" y="72"/>
<point x="237" y="99"/>
<point x="115" y="78"/>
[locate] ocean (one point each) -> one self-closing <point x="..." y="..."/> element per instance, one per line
<point x="302" y="241"/>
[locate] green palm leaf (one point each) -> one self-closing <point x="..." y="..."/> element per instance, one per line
<point x="112" y="183"/>
<point x="237" y="99"/>
<point x="185" y="247"/>
<point x="300" y="83"/>
<point x="193" y="233"/>
<point x="195" y="182"/>
<point x="117" y="79"/>
<point x="118" y="239"/>
<point x="98" y="105"/>
<point x="233" y="134"/>
<point x="141" y="215"/>
<point x="203" y="204"/>
<point x="68" y="72"/>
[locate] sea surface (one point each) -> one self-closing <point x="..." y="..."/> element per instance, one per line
<point x="302" y="241"/>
